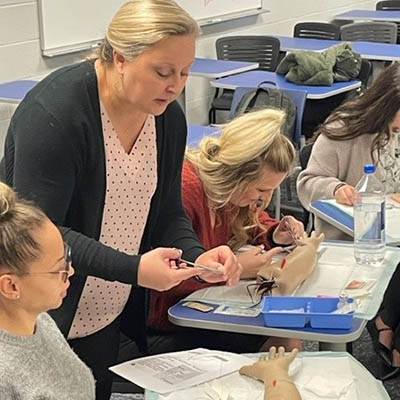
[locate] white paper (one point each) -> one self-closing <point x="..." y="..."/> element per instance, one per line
<point x="174" y="371"/>
<point x="309" y="380"/>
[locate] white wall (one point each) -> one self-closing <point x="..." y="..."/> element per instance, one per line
<point x="20" y="55"/>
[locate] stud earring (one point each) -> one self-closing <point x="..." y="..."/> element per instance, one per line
<point x="17" y="296"/>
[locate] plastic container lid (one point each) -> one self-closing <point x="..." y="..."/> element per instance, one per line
<point x="369" y="168"/>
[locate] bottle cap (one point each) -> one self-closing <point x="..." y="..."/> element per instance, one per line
<point x="369" y="168"/>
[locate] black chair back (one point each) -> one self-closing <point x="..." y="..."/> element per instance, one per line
<point x="390" y="5"/>
<point x="317" y="30"/>
<point x="261" y="49"/>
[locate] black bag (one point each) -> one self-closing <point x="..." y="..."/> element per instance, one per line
<point x="265" y="97"/>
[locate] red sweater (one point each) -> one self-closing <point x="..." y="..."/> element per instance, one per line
<point x="195" y="204"/>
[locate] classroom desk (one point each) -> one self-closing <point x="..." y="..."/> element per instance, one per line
<point x="290" y="43"/>
<point x="211" y="68"/>
<point x="254" y="78"/>
<point x="345" y="222"/>
<point x="332" y="339"/>
<point x="376" y="15"/>
<point x="196" y="133"/>
<point x="365" y="385"/>
<point x="335" y="269"/>
<point x="368" y="50"/>
<point x="14" y="91"/>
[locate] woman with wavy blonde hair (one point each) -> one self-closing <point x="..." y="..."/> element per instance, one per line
<point x="226" y="184"/>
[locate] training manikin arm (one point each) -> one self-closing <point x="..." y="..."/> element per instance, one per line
<point x="274" y="373"/>
<point x="296" y="268"/>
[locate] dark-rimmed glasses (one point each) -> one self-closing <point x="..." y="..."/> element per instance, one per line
<point x="64" y="272"/>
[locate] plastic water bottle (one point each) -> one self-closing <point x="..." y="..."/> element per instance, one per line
<point x="369" y="219"/>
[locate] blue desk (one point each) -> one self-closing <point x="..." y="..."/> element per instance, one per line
<point x="289" y="43"/>
<point x="15" y="91"/>
<point x="376" y="15"/>
<point x="377" y="51"/>
<point x="345" y="222"/>
<point x="253" y="79"/>
<point x="368" y="50"/>
<point x="187" y="317"/>
<point x="211" y="68"/>
<point x="196" y="133"/>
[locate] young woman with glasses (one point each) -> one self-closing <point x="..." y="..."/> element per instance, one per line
<point x="35" y="266"/>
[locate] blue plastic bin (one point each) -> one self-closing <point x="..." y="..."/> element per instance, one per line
<point x="318" y="312"/>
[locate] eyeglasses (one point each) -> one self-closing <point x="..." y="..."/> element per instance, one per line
<point x="63" y="272"/>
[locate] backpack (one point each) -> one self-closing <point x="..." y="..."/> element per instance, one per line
<point x="264" y="97"/>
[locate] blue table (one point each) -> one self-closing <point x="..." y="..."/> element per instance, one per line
<point x="14" y="92"/>
<point x="376" y="15"/>
<point x="196" y="133"/>
<point x="345" y="222"/>
<point x="211" y="68"/>
<point x="254" y="78"/>
<point x="289" y="43"/>
<point x="368" y="50"/>
<point x="334" y="339"/>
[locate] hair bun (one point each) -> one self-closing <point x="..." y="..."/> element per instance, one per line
<point x="7" y="199"/>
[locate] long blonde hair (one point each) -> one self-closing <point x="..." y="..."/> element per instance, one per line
<point x="139" y="24"/>
<point x="227" y="163"/>
<point x="18" y="220"/>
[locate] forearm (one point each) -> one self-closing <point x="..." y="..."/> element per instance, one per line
<point x="282" y="390"/>
<point x="90" y="257"/>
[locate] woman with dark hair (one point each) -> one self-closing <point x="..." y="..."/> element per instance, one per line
<point x="362" y="130"/>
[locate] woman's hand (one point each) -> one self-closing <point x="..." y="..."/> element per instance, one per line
<point x="288" y="224"/>
<point x="156" y="269"/>
<point x="253" y="259"/>
<point x="345" y="195"/>
<point x="223" y="260"/>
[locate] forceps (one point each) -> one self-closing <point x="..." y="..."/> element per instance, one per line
<point x="291" y="233"/>
<point x="190" y="264"/>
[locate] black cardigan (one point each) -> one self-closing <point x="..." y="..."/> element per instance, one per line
<point x="54" y="155"/>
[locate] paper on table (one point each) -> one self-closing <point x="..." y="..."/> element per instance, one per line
<point x="308" y="379"/>
<point x="174" y="371"/>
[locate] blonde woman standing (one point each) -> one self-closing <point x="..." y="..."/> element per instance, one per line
<point x="35" y="267"/>
<point x="99" y="147"/>
<point x="227" y="182"/>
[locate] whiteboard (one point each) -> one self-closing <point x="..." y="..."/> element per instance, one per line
<point x="72" y="25"/>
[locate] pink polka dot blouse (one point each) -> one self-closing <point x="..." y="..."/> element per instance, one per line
<point x="131" y="183"/>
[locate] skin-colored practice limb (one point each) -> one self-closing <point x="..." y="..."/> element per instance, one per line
<point x="274" y="373"/>
<point x="296" y="268"/>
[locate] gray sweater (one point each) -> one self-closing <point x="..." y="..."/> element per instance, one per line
<point x="332" y="162"/>
<point x="42" y="366"/>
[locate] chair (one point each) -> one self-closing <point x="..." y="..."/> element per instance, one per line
<point x="261" y="49"/>
<point x="384" y="32"/>
<point x="365" y="73"/>
<point x="390" y="5"/>
<point x="317" y="30"/>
